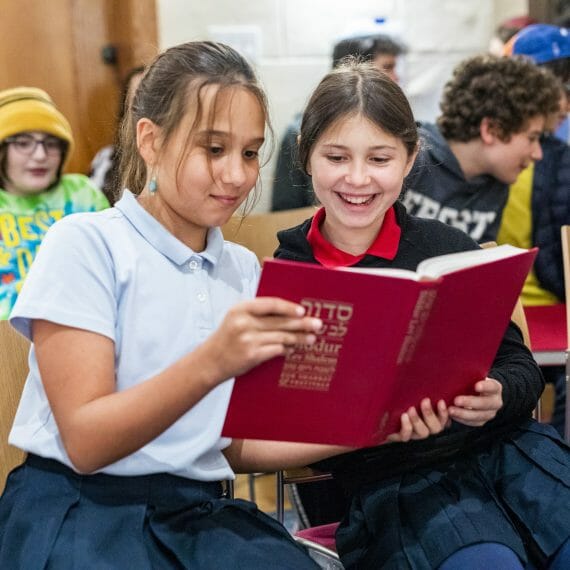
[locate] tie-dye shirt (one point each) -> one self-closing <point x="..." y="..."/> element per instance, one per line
<point x="24" y="220"/>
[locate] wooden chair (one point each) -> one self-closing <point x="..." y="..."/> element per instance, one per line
<point x="292" y="477"/>
<point x="565" y="235"/>
<point x="319" y="540"/>
<point x="14" y="350"/>
<point x="258" y="232"/>
<point x="519" y="318"/>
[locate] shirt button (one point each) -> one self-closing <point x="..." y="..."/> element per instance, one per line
<point x="201" y="297"/>
<point x="193" y="265"/>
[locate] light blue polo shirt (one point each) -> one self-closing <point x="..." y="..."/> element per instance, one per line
<point x="121" y="274"/>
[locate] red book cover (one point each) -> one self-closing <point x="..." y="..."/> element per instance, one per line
<point x="389" y="339"/>
<point x="547" y="327"/>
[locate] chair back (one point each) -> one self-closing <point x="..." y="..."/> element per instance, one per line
<point x="14" y="349"/>
<point x="518" y="317"/>
<point x="324" y="557"/>
<point x="258" y="232"/>
<point x="565" y="235"/>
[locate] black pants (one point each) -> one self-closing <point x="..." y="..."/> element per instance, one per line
<point x="323" y="502"/>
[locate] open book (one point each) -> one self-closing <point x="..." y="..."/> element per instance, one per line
<point x="389" y="339"/>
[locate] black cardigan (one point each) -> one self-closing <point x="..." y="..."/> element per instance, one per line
<point x="513" y="366"/>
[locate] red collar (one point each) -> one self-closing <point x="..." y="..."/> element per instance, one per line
<point x="385" y="245"/>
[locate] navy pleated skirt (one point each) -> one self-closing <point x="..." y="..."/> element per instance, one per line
<point x="51" y="517"/>
<point x="517" y="494"/>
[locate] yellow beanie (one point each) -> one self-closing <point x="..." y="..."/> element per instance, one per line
<point x="30" y="109"/>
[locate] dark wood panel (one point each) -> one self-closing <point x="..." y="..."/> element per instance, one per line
<point x="56" y="45"/>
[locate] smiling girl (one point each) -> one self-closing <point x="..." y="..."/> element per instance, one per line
<point x="492" y="489"/>
<point x="140" y="316"/>
<point x="35" y="143"/>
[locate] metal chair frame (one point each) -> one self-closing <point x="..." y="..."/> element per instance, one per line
<point x="565" y="237"/>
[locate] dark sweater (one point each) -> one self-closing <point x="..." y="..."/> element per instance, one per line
<point x="550" y="211"/>
<point x="292" y="188"/>
<point x="436" y="188"/>
<point x="513" y="367"/>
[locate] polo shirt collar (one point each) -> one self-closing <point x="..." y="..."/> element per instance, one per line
<point x="385" y="245"/>
<point x="161" y="239"/>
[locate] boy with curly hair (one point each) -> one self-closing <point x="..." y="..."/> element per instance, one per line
<point x="493" y="112"/>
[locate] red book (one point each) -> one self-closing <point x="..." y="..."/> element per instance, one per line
<point x="547" y="327"/>
<point x="389" y="339"/>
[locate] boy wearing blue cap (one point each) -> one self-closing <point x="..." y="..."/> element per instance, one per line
<point x="548" y="46"/>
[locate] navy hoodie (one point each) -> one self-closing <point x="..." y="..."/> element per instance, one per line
<point x="436" y="188"/>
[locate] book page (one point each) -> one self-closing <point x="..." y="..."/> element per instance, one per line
<point x="387" y="271"/>
<point x="443" y="264"/>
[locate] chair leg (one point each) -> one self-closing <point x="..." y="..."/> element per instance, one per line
<point x="229" y="488"/>
<point x="537" y="413"/>
<point x="295" y="500"/>
<point x="251" y="485"/>
<point x="567" y="411"/>
<point x="280" y="493"/>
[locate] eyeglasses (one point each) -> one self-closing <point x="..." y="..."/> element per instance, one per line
<point x="27" y="144"/>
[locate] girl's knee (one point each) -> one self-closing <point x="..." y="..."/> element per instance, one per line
<point x="483" y="556"/>
<point x="561" y="560"/>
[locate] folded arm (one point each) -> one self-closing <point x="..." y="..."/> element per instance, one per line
<point x="253" y="455"/>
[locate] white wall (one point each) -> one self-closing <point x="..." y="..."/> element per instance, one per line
<point x="290" y="42"/>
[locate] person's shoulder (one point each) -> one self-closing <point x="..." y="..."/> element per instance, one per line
<point x="84" y="234"/>
<point x="429" y="131"/>
<point x="82" y="222"/>
<point x="295" y="232"/>
<point x="552" y="145"/>
<point x="241" y="256"/>
<point x="79" y="184"/>
<point x="427" y="225"/>
<point x="437" y="236"/>
<point x="77" y="181"/>
<point x="238" y="250"/>
<point x="293" y="127"/>
<point x="293" y="243"/>
<point x="91" y="224"/>
<point x="431" y="139"/>
<point x="433" y="148"/>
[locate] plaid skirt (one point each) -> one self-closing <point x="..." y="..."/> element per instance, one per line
<point x="51" y="517"/>
<point x="517" y="493"/>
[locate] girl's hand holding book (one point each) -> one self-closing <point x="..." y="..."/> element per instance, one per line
<point x="478" y="410"/>
<point x="257" y="330"/>
<point x="416" y="426"/>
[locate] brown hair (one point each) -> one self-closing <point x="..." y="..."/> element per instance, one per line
<point x="176" y="76"/>
<point x="506" y="90"/>
<point x="353" y="88"/>
<point x="366" y="48"/>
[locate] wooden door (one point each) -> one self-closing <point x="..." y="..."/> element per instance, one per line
<point x="57" y="45"/>
<point x="14" y="350"/>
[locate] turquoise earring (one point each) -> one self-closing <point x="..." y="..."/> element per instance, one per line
<point x="152" y="185"/>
